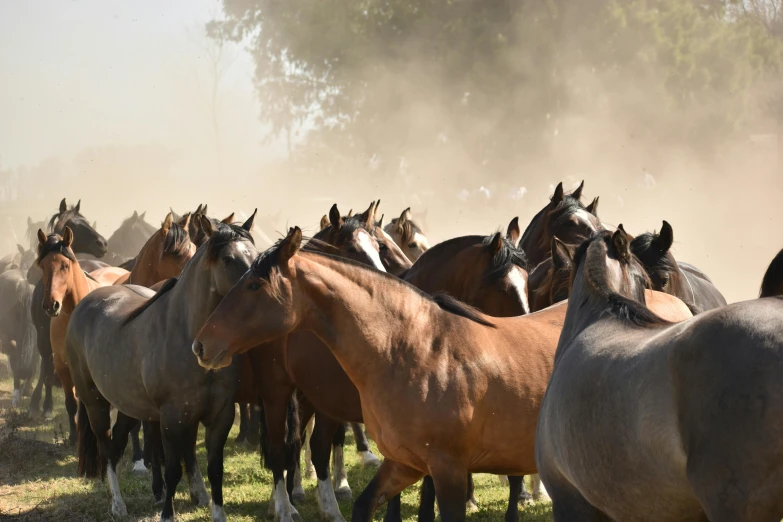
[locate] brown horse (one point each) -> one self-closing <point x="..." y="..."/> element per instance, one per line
<point x="408" y="235"/>
<point x="164" y="255"/>
<point x="772" y="284"/>
<point x="675" y="422"/>
<point x="65" y="285"/>
<point x="564" y="217"/>
<point x="477" y="383"/>
<point x="549" y="280"/>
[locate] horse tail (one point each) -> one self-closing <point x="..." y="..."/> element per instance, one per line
<point x="91" y="462"/>
<point x="293" y="436"/>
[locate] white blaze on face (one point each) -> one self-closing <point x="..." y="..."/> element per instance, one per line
<point x="519" y="284"/>
<point x="365" y="244"/>
<point x="422" y="241"/>
<point x="587" y="217"/>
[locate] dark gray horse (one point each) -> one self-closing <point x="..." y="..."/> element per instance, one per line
<point x="678" y="279"/>
<point x="645" y="420"/>
<point x="129" y="239"/>
<point x="85" y="241"/>
<point x="17" y="333"/>
<point x="131" y="350"/>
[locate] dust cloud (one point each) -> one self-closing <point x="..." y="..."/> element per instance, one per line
<point x="132" y="107"/>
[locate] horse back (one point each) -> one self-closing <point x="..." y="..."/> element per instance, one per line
<point x="107" y="276"/>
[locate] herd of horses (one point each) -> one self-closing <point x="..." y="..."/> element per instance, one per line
<point x="571" y="351"/>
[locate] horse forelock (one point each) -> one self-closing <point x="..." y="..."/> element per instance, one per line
<point x="177" y="241"/>
<point x="54" y="244"/>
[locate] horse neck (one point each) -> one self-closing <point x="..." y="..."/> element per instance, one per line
<point x="145" y="270"/>
<point x="585" y="308"/>
<point x="360" y="315"/>
<point x="78" y="287"/>
<point x="534" y="230"/>
<point x="195" y="296"/>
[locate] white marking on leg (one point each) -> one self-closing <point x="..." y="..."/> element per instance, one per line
<point x="113" y="416"/>
<point x="218" y="515"/>
<point x="139" y="467"/>
<point x="503" y="479"/>
<point x="298" y="493"/>
<point x="284" y="510"/>
<point x="17" y="398"/>
<point x="369" y="459"/>
<point x="118" y="508"/>
<point x="309" y="468"/>
<point x="539" y="491"/>
<point x="366" y="244"/>
<point x="198" y="490"/>
<point x="327" y="502"/>
<point x="518" y="283"/>
<point x="340" y="473"/>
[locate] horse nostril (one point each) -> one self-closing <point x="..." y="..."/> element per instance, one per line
<point x="198" y="349"/>
<point x="56" y="306"/>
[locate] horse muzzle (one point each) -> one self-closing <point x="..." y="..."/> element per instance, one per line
<point x="219" y="361"/>
<point x="55" y="309"/>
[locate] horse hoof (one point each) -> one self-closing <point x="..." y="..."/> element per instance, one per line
<point x="119" y="510"/>
<point x="139" y="467"/>
<point x="471" y="507"/>
<point x="199" y="498"/>
<point x="17" y="400"/>
<point x="343" y="494"/>
<point x="369" y="459"/>
<point x="48" y="416"/>
<point x="298" y="495"/>
<point x="503" y="479"/>
<point x="525" y="497"/>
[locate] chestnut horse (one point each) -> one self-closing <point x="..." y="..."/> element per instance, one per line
<point x="477" y="381"/>
<point x="772" y="284"/>
<point x="128" y="348"/>
<point x="564" y="217"/>
<point x="676" y="422"/>
<point x="666" y="275"/>
<point x="65" y="285"/>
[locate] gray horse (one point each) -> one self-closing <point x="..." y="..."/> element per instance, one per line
<point x="17" y="332"/>
<point x="645" y="420"/>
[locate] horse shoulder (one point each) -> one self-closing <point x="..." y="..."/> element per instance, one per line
<point x="667" y="306"/>
<point x="107" y="276"/>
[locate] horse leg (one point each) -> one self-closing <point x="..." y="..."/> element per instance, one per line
<point x="309" y="468"/>
<point x="306" y="414"/>
<point x="539" y="491"/>
<point x="427" y="502"/>
<point x="471" y="505"/>
<point x="138" y="453"/>
<point x="35" y="399"/>
<point x="17" y="397"/>
<point x="388" y="482"/>
<point x="514" y="487"/>
<point x="216" y="437"/>
<point x="171" y="433"/>
<point x="198" y="491"/>
<point x="568" y="505"/>
<point x="70" y="402"/>
<point x="243" y="421"/>
<point x="153" y="456"/>
<point x="394" y="510"/>
<point x="119" y="441"/>
<point x="451" y="489"/>
<point x="363" y="446"/>
<point x="341" y="487"/>
<point x="327" y="432"/>
<point x="275" y="412"/>
<point x="48" y="405"/>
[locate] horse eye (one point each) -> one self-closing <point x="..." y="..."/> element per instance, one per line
<point x="382" y="246"/>
<point x="254" y="286"/>
<point x="412" y="245"/>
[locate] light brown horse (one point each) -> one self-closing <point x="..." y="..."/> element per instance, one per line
<point x="65" y="284"/>
<point x="164" y="255"/>
<point x="408" y="235"/>
<point x="676" y="422"/>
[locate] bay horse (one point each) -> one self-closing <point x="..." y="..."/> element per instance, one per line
<point x="163" y="255"/>
<point x="474" y="379"/>
<point x="128" y="348"/>
<point x="549" y="280"/>
<point x="772" y="284"/>
<point x="408" y="235"/>
<point x="129" y="238"/>
<point x="86" y="240"/>
<point x="676" y="422"/>
<point x="666" y="275"/>
<point x="17" y="332"/>
<point x="65" y="285"/>
<point x="564" y="217"/>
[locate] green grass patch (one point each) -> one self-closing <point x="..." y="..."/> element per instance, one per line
<point x="38" y="480"/>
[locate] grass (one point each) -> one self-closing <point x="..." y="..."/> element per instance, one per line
<point x="38" y="480"/>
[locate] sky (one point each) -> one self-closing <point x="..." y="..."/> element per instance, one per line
<point x="93" y="73"/>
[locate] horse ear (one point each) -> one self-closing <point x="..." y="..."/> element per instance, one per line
<point x="198" y="210"/>
<point x="20" y="248"/>
<point x="63" y="206"/>
<point x="228" y="219"/>
<point x="368" y="216"/>
<point x="167" y="222"/>
<point x="335" y="218"/>
<point x="561" y="256"/>
<point x="41" y="237"/>
<point x="324" y="222"/>
<point x="620" y="244"/>
<point x="68" y="237"/>
<point x="173" y="214"/>
<point x="95" y="225"/>
<point x="135" y="215"/>
<point x="184" y="222"/>
<point x="350" y="212"/>
<point x="405" y="216"/>
<point x="248" y="225"/>
<point x="204" y="210"/>
<point x="496" y="244"/>
<point x="144" y="214"/>
<point x="206" y="225"/>
<point x="29" y="221"/>
<point x="290" y="245"/>
<point x="665" y="237"/>
<point x="512" y="232"/>
<point x="375" y="212"/>
<point x="78" y="206"/>
<point x="577" y="194"/>
<point x="593" y="207"/>
<point x="558" y="196"/>
<point x="380" y="221"/>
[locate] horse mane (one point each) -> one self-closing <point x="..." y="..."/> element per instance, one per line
<point x="651" y="257"/>
<point x="60" y="218"/>
<point x="507" y="257"/>
<point x="618" y="306"/>
<point x="552" y="284"/>
<point x="564" y="210"/>
<point x="177" y="241"/>
<point x="268" y="260"/>
<point x="345" y="232"/>
<point x="772" y="284"/>
<point x="225" y="234"/>
<point x="54" y="243"/>
<point x="168" y="285"/>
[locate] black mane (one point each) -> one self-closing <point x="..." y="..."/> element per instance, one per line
<point x="54" y="243"/>
<point x="57" y="221"/>
<point x="168" y="285"/>
<point x="502" y="262"/>
<point x="344" y="233"/>
<point x="772" y="284"/>
<point x="651" y="256"/>
<point x="177" y="241"/>
<point x="618" y="306"/>
<point x="565" y="209"/>
<point x="225" y="234"/>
